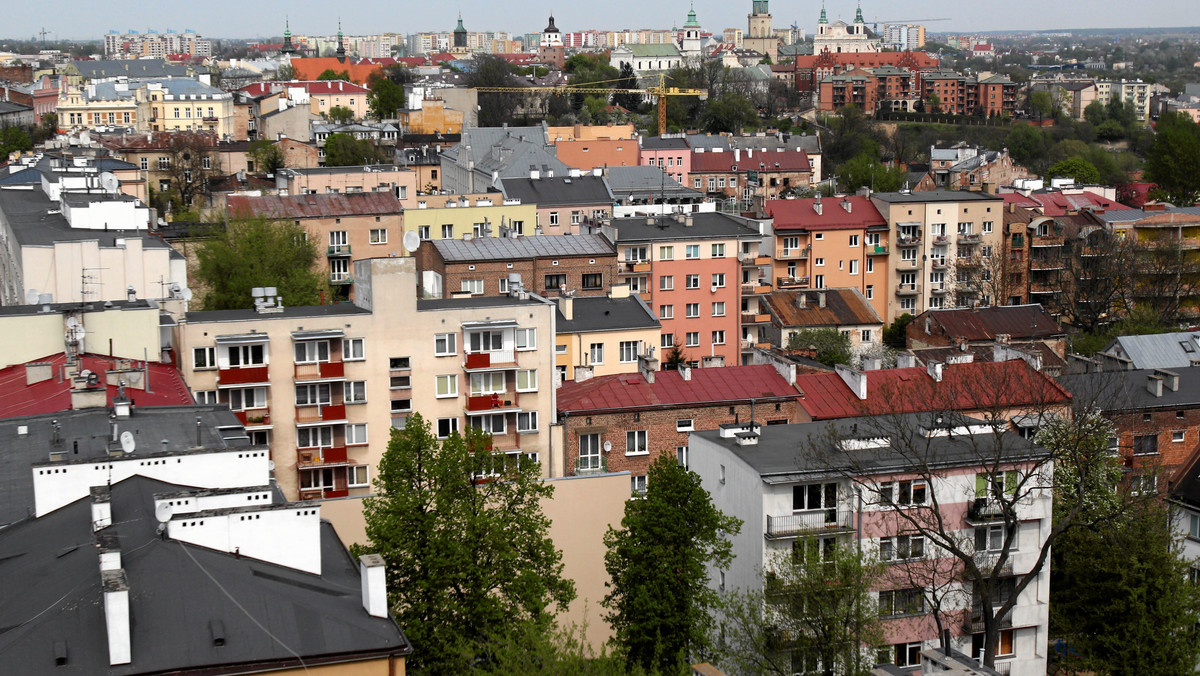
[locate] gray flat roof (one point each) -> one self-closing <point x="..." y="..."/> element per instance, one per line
<point x="537" y="246"/>
<point x="28" y="212"/>
<point x="601" y="313"/>
<point x="558" y="190"/>
<point x="251" y="314"/>
<point x="936" y="196"/>
<point x="427" y="304"/>
<point x="706" y="225"/>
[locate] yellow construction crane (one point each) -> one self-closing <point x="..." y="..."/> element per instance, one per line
<point x="660" y="90"/>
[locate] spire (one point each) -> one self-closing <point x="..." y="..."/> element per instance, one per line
<point x="341" y="49"/>
<point x="823" y="18"/>
<point x="692" y="22"/>
<point x="287" y="47"/>
<point x="858" y="17"/>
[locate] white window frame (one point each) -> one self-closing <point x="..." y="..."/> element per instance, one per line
<point x="353" y="430"/>
<point x="666" y="312"/>
<point x="450" y="389"/>
<point x="353" y="349"/>
<point x="209" y="358"/>
<point x="358" y="476"/>
<point x="596" y="350"/>
<point x="637" y="442"/>
<point x="718" y="309"/>
<point x="531" y="380"/>
<point x="355" y="392"/>
<point x="451" y="423"/>
<point x="449" y="345"/>
<point x="474" y="286"/>
<point x="525" y="339"/>
<point x="378" y="236"/>
<point x="524" y="418"/>
<point x="312" y="352"/>
<point x="685" y="425"/>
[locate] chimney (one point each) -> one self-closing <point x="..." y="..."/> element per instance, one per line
<point x="802" y="300"/>
<point x="847" y="205"/>
<point x="905" y="360"/>
<point x="374" y="584"/>
<point x="685" y="372"/>
<point x="566" y="305"/>
<point x="38" y="371"/>
<point x="871" y="363"/>
<point x="110" y="551"/>
<point x="1155" y="384"/>
<point x="101" y="508"/>
<point x="821" y="299"/>
<point x="1003" y="338"/>
<point x="534" y="174"/>
<point x="1170" y="379"/>
<point x="122" y="407"/>
<point x="116" y="616"/>
<point x="817" y="205"/>
<point x="855" y="380"/>
<point x="584" y="373"/>
<point x="934" y="369"/>
<point x="647" y="365"/>
<point x="737" y="154"/>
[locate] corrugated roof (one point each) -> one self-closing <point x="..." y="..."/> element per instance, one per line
<point x="327" y="205"/>
<point x="1159" y="350"/>
<point x="749" y="160"/>
<point x="964" y="387"/>
<point x="706" y="387"/>
<point x="801" y="214"/>
<point x="843" y="307"/>
<point x="537" y="246"/>
<point x="1021" y="322"/>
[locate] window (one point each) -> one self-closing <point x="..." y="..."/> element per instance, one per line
<point x="904" y="493"/>
<point x="1177" y="436"/>
<point x="399" y="363"/>
<point x="144" y="162"/>
<point x="378" y="235"/>
<point x="589" y="452"/>
<point x="991" y="538"/>
<point x="358" y="476"/>
<point x="718" y="251"/>
<point x="637" y="485"/>
<point x="204" y="358"/>
<point x="908" y="654"/>
<point x="1005" y="648"/>
<point x="1194" y="526"/>
<point x="423" y="232"/>
<point x="556" y="282"/>
<point x="718" y="280"/>
<point x="901" y="602"/>
<point x="996" y="485"/>
<point x="666" y="253"/>
<point x="666" y="311"/>
<point x="629" y="351"/>
<point x="356" y="434"/>
<point x="445" y="344"/>
<point x="636" y="442"/>
<point x="693" y="310"/>
<point x="446" y="427"/>
<point x="526" y="339"/>
<point x="313" y="395"/>
<point x="666" y="283"/>
<point x="251" y="397"/>
<point x="447" y="386"/>
<point x="527" y="421"/>
<point x="493" y="424"/>
<point x="668" y="340"/>
<point x="637" y="284"/>
<point x="693" y="282"/>
<point x="681" y="454"/>
<point x="901" y="547"/>
<point x="447" y="232"/>
<point x="870" y="265"/>
<point x="692" y="251"/>
<point x="819" y="281"/>
<point x="355" y="392"/>
<point x="352" y="349"/>
<point x="312" y="351"/>
<point x="592" y="281"/>
<point x="866" y="335"/>
<point x="527" y="380"/>
<point x="718" y="337"/>
<point x="487" y="383"/>
<point x="484" y="341"/>
<point x="685" y="425"/>
<point x="635" y="254"/>
<point x="247" y="355"/>
<point x="870" y="291"/>
<point x="205" y="396"/>
<point x="314" y="437"/>
<point x="853" y="267"/>
<point x="692" y="339"/>
<point x="553" y="218"/>
<point x="164" y="163"/>
<point x="1145" y="444"/>
<point x="400" y="406"/>
<point x="1143" y="484"/>
<point x="718" y="309"/>
<point x="596" y="353"/>
<point x="987" y="227"/>
<point x="472" y="286"/>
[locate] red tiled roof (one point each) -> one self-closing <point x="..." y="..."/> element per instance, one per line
<point x="316" y="206"/>
<point x="1020" y="200"/>
<point x="707" y="386"/>
<point x="311" y="68"/>
<point x="800" y="214"/>
<point x="1058" y="203"/>
<point x="50" y="396"/>
<point x="747" y="160"/>
<point x="412" y="61"/>
<point x="964" y="387"/>
<point x="310" y="86"/>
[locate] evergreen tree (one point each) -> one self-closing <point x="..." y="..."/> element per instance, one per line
<point x="660" y="601"/>
<point x="1174" y="160"/>
<point x="470" y="567"/>
<point x="259" y="252"/>
<point x="385" y="99"/>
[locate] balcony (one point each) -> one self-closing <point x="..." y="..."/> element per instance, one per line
<point x="968" y="261"/>
<point x="792" y="525"/>
<point x="877" y="249"/>
<point x="1045" y="264"/>
<point x="908" y="240"/>
<point x="940" y="240"/>
<point x="938" y="263"/>
<point x="938" y="288"/>
<point x="969" y="238"/>
<point x="787" y="254"/>
<point x="338" y="251"/>
<point x="908" y="289"/>
<point x="591" y="464"/>
<point x="985" y="510"/>
<point x="1043" y="287"/>
<point x="320" y="413"/>
<point x="255" y="417"/>
<point x="243" y="376"/>
<point x="751" y="318"/>
<point x="635" y="266"/>
<point x="210" y="118"/>
<point x="792" y="282"/>
<point x="756" y="288"/>
<point x="1046" y="241"/>
<point x="325" y="370"/>
<point x="752" y="260"/>
<point x="341" y="279"/>
<point x="308" y="458"/>
<point x="499" y="359"/>
<point x="492" y="403"/>
<point x="973" y="623"/>
<point x="323" y="493"/>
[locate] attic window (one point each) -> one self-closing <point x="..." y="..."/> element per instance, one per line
<point x="1187" y="346"/>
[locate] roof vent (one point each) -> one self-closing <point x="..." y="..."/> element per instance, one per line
<point x="216" y="629"/>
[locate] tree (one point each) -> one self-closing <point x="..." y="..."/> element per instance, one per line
<point x="628" y="100"/>
<point x="343" y="150"/>
<point x="267" y="156"/>
<point x="495" y="108"/>
<point x="258" y="252"/>
<point x="14" y="139"/>
<point x="1096" y="113"/>
<point x="1081" y="170"/>
<point x="896" y="334"/>
<point x="285" y="73"/>
<point x="339" y="115"/>
<point x="832" y="347"/>
<point x="331" y="74"/>
<point x="730" y="112"/>
<point x="867" y="170"/>
<point x="385" y="99"/>
<point x="189" y="165"/>
<point x="469" y="563"/>
<point x="660" y="601"/>
<point x="673" y="359"/>
<point x="1174" y="160"/>
<point x="1041" y="103"/>
<point x="813" y="610"/>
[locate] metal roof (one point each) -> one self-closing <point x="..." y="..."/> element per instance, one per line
<point x="601" y="313"/>
<point x="707" y="387"/>
<point x="1157" y="351"/>
<point x="537" y="246"/>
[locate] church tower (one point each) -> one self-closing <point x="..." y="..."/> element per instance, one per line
<point x="287" y="48"/>
<point x="823" y="22"/>
<point x="341" y="48"/>
<point x="860" y="26"/>
<point x="690" y="47"/>
<point x="760" y="37"/>
<point x="460" y="38"/>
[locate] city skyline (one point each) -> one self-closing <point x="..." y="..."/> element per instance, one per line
<point x="70" y="21"/>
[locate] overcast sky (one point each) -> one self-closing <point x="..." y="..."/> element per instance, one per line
<point x="75" y="19"/>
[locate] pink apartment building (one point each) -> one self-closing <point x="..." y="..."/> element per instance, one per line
<point x="671" y="153"/>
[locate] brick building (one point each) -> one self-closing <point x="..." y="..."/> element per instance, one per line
<point x="744" y="174"/>
<point x="565" y="202"/>
<point x="624" y="422"/>
<point x="547" y="264"/>
<point x="812" y="69"/>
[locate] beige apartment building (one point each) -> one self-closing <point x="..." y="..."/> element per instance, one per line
<point x="437" y="217"/>
<point x="323" y="385"/>
<point x="167" y="104"/>
<point x="369" y="178"/>
<point x="947" y="245"/>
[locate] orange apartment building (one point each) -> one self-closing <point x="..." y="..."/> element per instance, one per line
<point x="433" y="117"/>
<point x="831" y="243"/>
<point x="586" y="147"/>
<point x="400" y="181"/>
<point x="689" y="270"/>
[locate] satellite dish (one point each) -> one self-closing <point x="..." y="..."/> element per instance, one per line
<point x="186" y="293"/>
<point x="412" y="241"/>
<point x="607" y="446"/>
<point x="163" y="512"/>
<point x="109" y="182"/>
<point x="271" y="465"/>
<point x="31" y="297"/>
<point x="127" y="442"/>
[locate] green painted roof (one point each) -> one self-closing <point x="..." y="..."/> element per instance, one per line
<point x="653" y="50"/>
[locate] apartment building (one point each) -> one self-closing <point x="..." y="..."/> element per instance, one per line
<point x="551" y="265"/>
<point x="746" y="174"/>
<point x="400" y="181"/>
<point x="603" y="335"/>
<point x="699" y="272"/>
<point x="566" y="203"/>
<point x="839" y="488"/>
<point x="959" y="94"/>
<point x="323" y="385"/>
<point x="669" y="152"/>
<point x="346" y="227"/>
<point x="946" y="244"/>
<point x="1007" y="324"/>
<point x="445" y="217"/>
<point x="586" y="147"/>
<point x="844" y="310"/>
<point x="625" y="422"/>
<point x="320" y="96"/>
<point x="171" y="104"/>
<point x="830" y="243"/>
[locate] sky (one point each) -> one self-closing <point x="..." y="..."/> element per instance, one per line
<point x="75" y="19"/>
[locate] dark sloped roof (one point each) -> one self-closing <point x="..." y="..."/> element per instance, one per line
<point x="510" y="248"/>
<point x="1018" y="321"/>
<point x="704" y="225"/>
<point x="1127" y="390"/>
<point x="843" y="307"/>
<point x="269" y="613"/>
<point x="935" y="196"/>
<point x="602" y="313"/>
<point x="326" y="205"/>
<point x="707" y="387"/>
<point x="558" y="190"/>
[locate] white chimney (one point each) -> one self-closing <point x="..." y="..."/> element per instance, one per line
<point x="871" y="363"/>
<point x="817" y="206"/>
<point x="847" y="205"/>
<point x="101" y="508"/>
<point x="934" y="368"/>
<point x="116" y="616"/>
<point x="737" y="154"/>
<point x="1155" y="385"/>
<point x="821" y="299"/>
<point x="647" y="365"/>
<point x="374" y="584"/>
<point x="855" y="380"/>
<point x="685" y="372"/>
<point x="110" y="552"/>
<point x="905" y="360"/>
<point x="583" y="373"/>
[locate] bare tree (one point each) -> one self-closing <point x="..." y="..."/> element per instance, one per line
<point x="191" y="163"/>
<point x="1097" y="277"/>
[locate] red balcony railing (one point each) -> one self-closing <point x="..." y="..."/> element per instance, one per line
<point x="488" y="402"/>
<point x="479" y="360"/>
<point x="239" y="376"/>
<point x="321" y="370"/>
<point x="307" y="414"/>
<point x="253" y="417"/>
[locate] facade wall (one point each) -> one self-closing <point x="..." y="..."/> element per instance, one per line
<point x="534" y="273"/>
<point x="676" y="163"/>
<point x="572" y="348"/>
<point x="1134" y="431"/>
<point x="566" y="219"/>
<point x="436" y="215"/>
<point x="837" y="264"/>
<point x="56" y="270"/>
<point x="402" y="182"/>
<point x="590" y="154"/>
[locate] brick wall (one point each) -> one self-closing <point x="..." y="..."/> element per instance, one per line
<point x="1161" y="423"/>
<point x="660" y="424"/>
